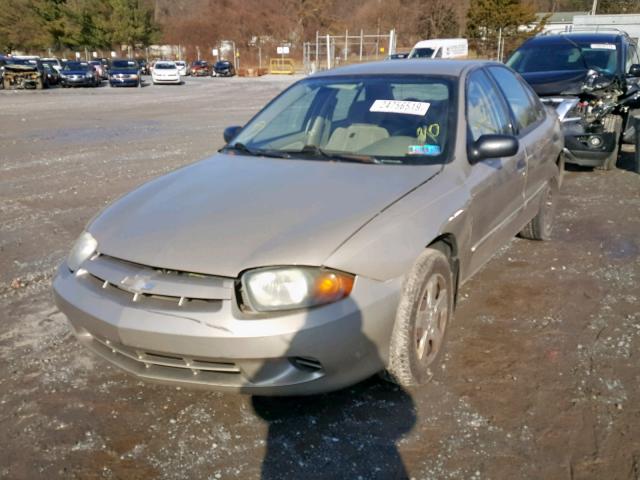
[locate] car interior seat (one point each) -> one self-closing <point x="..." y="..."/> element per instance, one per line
<point x="360" y="133"/>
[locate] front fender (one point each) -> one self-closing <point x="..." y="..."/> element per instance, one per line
<point x="386" y="247"/>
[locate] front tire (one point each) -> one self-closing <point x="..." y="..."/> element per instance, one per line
<point x="424" y="313"/>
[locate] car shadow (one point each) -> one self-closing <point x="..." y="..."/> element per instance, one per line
<point x="350" y="433"/>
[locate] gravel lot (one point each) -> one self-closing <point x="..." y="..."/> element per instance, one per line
<point x="541" y="378"/>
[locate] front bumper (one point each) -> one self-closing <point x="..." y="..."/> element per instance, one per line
<point x="77" y="82"/>
<point x="581" y="151"/>
<point x="214" y="345"/>
<point x="168" y="80"/>
<point x="124" y="82"/>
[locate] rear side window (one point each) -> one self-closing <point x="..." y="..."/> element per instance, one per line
<point x="526" y="109"/>
<point x="486" y="114"/>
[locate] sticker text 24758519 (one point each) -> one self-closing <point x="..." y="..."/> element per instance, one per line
<point x="400" y="106"/>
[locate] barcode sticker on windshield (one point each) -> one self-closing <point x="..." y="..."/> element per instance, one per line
<point x="603" y="46"/>
<point x="400" y="106"/>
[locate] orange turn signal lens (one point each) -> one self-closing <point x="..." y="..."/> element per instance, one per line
<point x="332" y="286"/>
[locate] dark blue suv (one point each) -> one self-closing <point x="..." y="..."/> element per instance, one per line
<point x="592" y="81"/>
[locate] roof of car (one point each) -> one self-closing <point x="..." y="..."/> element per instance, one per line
<point x="577" y="37"/>
<point x="407" y="67"/>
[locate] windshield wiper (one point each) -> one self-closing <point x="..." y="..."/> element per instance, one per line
<point x="242" y="148"/>
<point x="343" y="157"/>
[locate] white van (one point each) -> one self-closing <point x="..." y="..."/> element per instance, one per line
<point x="441" y="48"/>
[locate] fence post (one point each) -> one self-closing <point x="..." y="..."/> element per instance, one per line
<point x="346" y="45"/>
<point x="328" y="52"/>
<point x="361" y="42"/>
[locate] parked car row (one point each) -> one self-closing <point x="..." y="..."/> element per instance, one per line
<point x="202" y="68"/>
<point x="37" y="73"/>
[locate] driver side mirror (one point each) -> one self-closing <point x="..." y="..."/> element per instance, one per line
<point x="634" y="70"/>
<point x="493" y="146"/>
<point x="230" y="133"/>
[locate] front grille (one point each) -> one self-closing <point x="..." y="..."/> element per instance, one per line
<point x="141" y="283"/>
<point x="170" y="365"/>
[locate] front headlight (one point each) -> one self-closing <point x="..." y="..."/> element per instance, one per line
<point x="289" y="288"/>
<point x="134" y="77"/>
<point x="88" y="75"/>
<point x="84" y="247"/>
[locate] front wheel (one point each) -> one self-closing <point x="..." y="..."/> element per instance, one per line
<point x="422" y="318"/>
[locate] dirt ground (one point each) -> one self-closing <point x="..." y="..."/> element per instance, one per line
<point x="541" y="378"/>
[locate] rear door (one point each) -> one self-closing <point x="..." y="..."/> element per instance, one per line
<point x="496" y="185"/>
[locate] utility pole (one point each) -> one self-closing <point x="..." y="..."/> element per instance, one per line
<point x="594" y="7"/>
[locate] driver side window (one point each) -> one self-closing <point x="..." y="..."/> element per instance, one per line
<point x="486" y="114"/>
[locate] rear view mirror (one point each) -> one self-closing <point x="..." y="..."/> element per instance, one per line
<point x="231" y="132"/>
<point x="493" y="146"/>
<point x="634" y="70"/>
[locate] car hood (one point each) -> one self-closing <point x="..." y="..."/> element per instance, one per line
<point x="228" y="213"/>
<point x="17" y="67"/>
<point x="564" y="82"/>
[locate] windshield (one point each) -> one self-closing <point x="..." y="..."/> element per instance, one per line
<point x="200" y="63"/>
<point x="392" y="119"/>
<point x="165" y="66"/>
<point x="75" y="66"/>
<point x="124" y="64"/>
<point x="601" y="57"/>
<point x="21" y="61"/>
<point x="421" y="53"/>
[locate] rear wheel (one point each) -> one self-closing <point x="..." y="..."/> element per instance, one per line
<point x="422" y="318"/>
<point x="541" y="226"/>
<point x="6" y="83"/>
<point x="39" y="84"/>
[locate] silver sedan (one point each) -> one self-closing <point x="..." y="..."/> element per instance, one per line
<point x="327" y="240"/>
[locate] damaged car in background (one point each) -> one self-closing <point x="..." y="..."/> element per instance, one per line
<point x="592" y="81"/>
<point x="375" y="190"/>
<point x="24" y="72"/>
